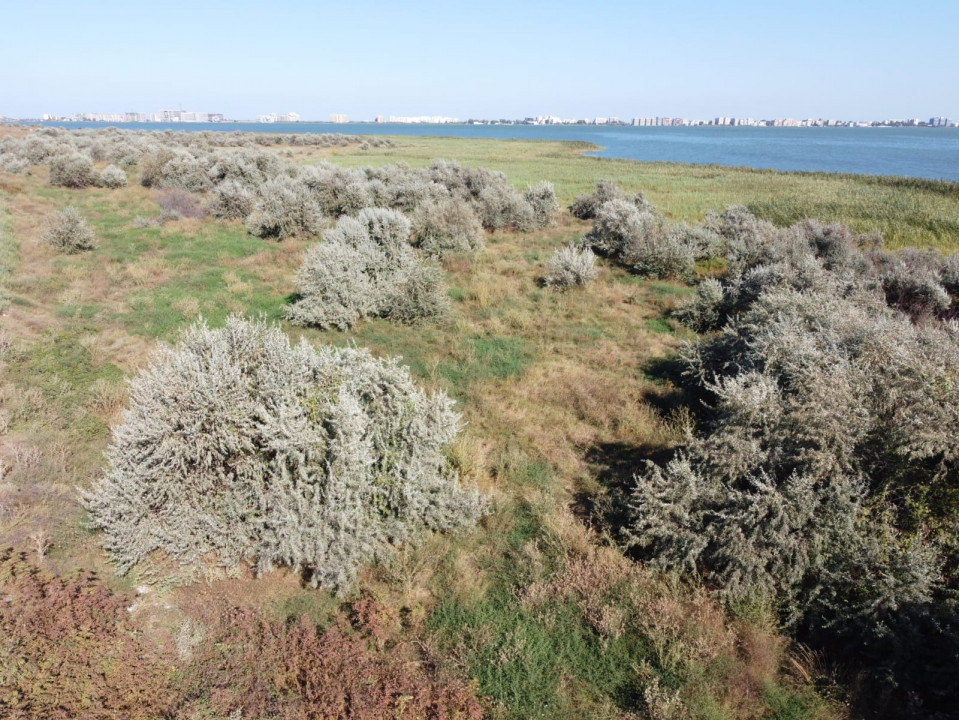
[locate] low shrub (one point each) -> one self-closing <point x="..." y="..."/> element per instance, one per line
<point x="542" y="199"/>
<point x="69" y="649"/>
<point x="68" y="232"/>
<point x="175" y="203"/>
<point x="446" y="226"/>
<point x="285" y="208"/>
<point x="73" y="171"/>
<point x="570" y="267"/>
<point x="231" y="200"/>
<point x="297" y="672"/>
<point x="113" y="177"/>
<point x="365" y="267"/>
<point x="240" y="448"/>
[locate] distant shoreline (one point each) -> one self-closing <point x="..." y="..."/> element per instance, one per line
<point x="910" y="152"/>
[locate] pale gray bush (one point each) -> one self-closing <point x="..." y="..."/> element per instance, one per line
<point x="662" y="252"/>
<point x="570" y="267"/>
<point x="585" y="207"/>
<point x="73" y="171"/>
<point x="705" y="309"/>
<point x="113" y="177"/>
<point x="542" y="199"/>
<point x="231" y="200"/>
<point x="749" y="240"/>
<point x="184" y="171"/>
<point x="67" y="231"/>
<point x="617" y="226"/>
<point x="416" y="295"/>
<point x="500" y="207"/>
<point x="918" y="292"/>
<point x="335" y="285"/>
<point x="831" y="429"/>
<point x="248" y="168"/>
<point x="285" y="208"/>
<point x="15" y="165"/>
<point x="143" y="221"/>
<point x="643" y="240"/>
<point x="446" y="226"/>
<point x="240" y="449"/>
<point x="949" y="274"/>
<point x="365" y="267"/>
<point x="704" y="243"/>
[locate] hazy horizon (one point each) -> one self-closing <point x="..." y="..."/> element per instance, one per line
<point x="494" y="60"/>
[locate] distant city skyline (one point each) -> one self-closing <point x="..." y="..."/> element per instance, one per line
<point x="853" y="60"/>
<point x="185" y="116"/>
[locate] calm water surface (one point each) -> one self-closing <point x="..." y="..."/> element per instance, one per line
<point x="912" y="152"/>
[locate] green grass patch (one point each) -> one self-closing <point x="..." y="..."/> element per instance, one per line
<point x="496" y="358"/>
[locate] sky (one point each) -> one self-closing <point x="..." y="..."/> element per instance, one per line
<point x="482" y="59"/>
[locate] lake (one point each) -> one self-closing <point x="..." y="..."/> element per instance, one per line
<point x="911" y="152"/>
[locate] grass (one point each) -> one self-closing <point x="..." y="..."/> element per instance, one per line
<point x="562" y="396"/>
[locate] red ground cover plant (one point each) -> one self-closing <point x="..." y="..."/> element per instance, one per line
<point x="296" y="672"/>
<point x="68" y="649"/>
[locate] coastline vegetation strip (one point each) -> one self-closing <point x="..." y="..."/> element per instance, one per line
<point x="8" y="252"/>
<point x="908" y="211"/>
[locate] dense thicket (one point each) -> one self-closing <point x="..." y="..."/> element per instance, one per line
<point x="825" y="476"/>
<point x="631" y="231"/>
<point x="240" y="448"/>
<point x="365" y="267"/>
<point x="450" y="205"/>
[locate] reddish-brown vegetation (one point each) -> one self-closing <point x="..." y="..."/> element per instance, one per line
<point x="71" y="649"/>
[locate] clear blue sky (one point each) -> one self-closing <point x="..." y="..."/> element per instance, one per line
<point x="485" y="58"/>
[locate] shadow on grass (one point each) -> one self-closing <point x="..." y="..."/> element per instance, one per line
<point x="613" y="466"/>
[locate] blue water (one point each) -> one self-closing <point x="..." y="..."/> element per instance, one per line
<point x="911" y="152"/>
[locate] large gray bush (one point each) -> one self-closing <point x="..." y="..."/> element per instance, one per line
<point x="541" y="197"/>
<point x="231" y="200"/>
<point x="586" y="207"/>
<point x="285" y="208"/>
<point x="643" y="240"/>
<point x="827" y="453"/>
<point x="67" y="231"/>
<point x="73" y="171"/>
<point x="446" y="226"/>
<point x="113" y="177"/>
<point x="238" y="448"/>
<point x="365" y="267"/>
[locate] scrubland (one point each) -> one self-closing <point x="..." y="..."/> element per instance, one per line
<point x="592" y="397"/>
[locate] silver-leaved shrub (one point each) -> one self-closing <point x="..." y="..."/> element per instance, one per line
<point x="365" y="267"/>
<point x="238" y="448"/>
